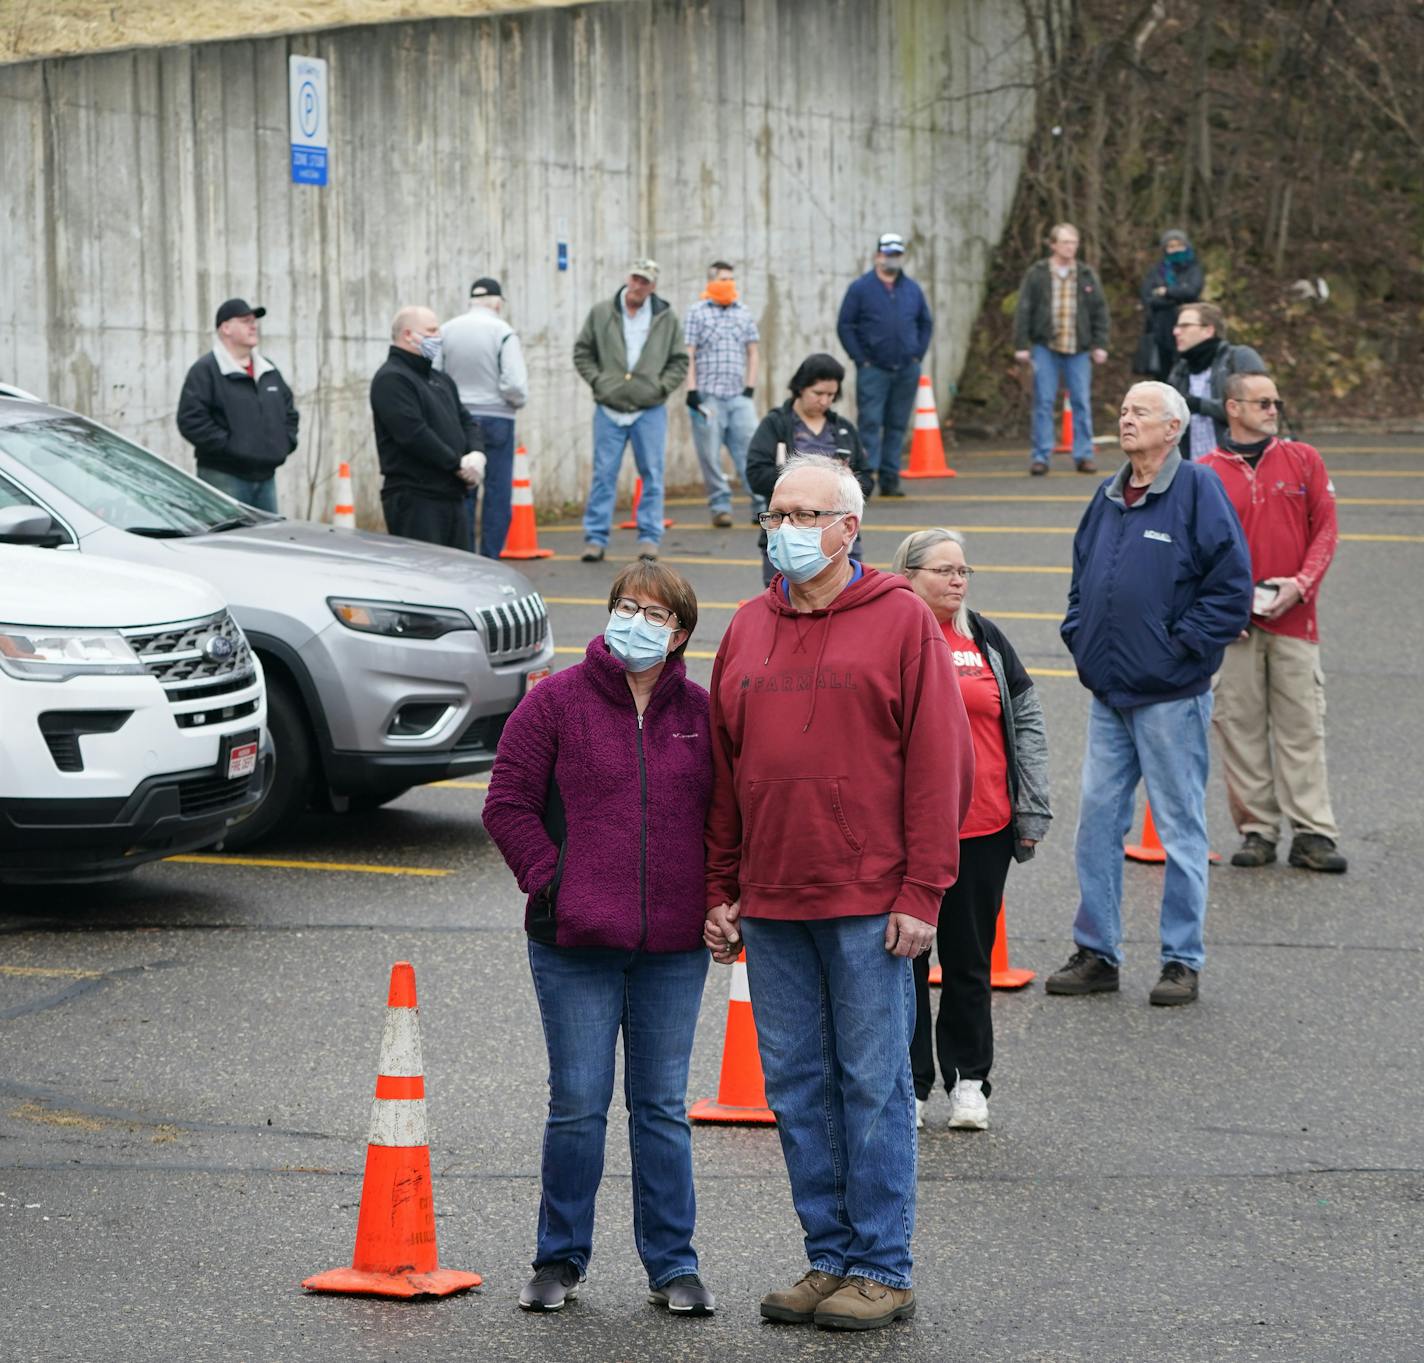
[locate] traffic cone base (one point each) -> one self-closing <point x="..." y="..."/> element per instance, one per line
<point x="395" y="1229"/>
<point x="632" y="522"/>
<point x="741" y="1093"/>
<point x="926" y="441"/>
<point x="522" y="541"/>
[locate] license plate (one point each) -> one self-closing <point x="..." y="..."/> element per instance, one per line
<point x="239" y="758"/>
<point x="537" y="675"/>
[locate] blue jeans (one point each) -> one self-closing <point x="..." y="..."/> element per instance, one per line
<point x="586" y="997"/>
<point x="260" y="492"/>
<point x="1053" y="372"/>
<point x="723" y="421"/>
<point x="1166" y="746"/>
<point x="885" y="402"/>
<point x="497" y="487"/>
<point x="834" y="1013"/>
<point x="648" y="435"/>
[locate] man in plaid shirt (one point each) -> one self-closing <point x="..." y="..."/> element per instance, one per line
<point x="721" y="337"/>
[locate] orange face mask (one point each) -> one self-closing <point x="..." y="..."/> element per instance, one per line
<point x="723" y="292"/>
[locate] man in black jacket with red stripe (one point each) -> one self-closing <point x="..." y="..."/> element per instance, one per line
<point x="237" y="411"/>
<point x="431" y="449"/>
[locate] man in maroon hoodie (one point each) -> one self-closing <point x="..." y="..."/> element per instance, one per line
<point x="842" y="768"/>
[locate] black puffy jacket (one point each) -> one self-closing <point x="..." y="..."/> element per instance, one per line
<point x="238" y="423"/>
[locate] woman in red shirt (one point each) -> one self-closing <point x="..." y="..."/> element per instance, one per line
<point x="1008" y="815"/>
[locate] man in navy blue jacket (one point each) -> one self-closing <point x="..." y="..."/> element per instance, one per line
<point x="1161" y="584"/>
<point x="885" y="327"/>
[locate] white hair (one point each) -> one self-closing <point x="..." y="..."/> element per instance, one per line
<point x="915" y="549"/>
<point x="1174" y="405"/>
<point x="851" y="498"/>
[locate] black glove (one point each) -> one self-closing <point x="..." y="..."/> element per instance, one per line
<point x="749" y="392"/>
<point x="1193" y="404"/>
<point x="694" y="399"/>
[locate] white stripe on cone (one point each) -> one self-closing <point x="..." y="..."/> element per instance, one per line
<point x="398" y="1121"/>
<point x="400" y="1043"/>
<point x="741" y="989"/>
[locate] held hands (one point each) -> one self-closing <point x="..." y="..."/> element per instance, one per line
<point x="906" y="935"/>
<point x="1288" y="596"/>
<point x="472" y="469"/>
<point x="1100" y="356"/>
<point x="721" y="934"/>
<point x="1022" y="356"/>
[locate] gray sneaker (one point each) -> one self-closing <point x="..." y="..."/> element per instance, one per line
<point x="685" y="1296"/>
<point x="1177" y="985"/>
<point x="550" y="1287"/>
<point x="648" y="551"/>
<point x="1084" y="973"/>
<point x="592" y="553"/>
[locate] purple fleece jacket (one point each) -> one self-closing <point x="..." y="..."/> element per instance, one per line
<point x="601" y="822"/>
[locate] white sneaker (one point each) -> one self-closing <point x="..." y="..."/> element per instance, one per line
<point x="968" y="1108"/>
<point x="920" y="1106"/>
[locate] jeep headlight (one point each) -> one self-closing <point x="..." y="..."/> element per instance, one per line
<point x="36" y="653"/>
<point x="395" y="620"/>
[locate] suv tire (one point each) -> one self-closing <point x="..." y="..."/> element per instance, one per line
<point x="290" y="788"/>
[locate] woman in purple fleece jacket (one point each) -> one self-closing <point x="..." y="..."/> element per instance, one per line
<point x="597" y="802"/>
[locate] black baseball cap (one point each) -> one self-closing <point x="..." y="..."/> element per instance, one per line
<point x="486" y="288"/>
<point x="237" y="307"/>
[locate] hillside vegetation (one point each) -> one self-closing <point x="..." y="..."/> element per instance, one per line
<point x="1286" y="138"/>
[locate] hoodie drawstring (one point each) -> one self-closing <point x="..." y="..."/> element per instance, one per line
<point x="816" y="671"/>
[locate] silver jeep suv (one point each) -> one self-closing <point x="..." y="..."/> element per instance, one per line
<point x="389" y="663"/>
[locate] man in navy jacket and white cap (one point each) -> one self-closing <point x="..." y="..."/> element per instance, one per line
<point x="1161" y="584"/>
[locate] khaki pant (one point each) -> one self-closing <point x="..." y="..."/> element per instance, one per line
<point x="1270" y="718"/>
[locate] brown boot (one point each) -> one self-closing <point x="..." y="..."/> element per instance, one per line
<point x="797" y="1305"/>
<point x="864" y="1304"/>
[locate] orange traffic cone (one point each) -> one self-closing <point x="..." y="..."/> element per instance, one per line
<point x="1001" y="974"/>
<point x="741" y="1094"/>
<point x="523" y="538"/>
<point x="395" y="1228"/>
<point x="632" y="522"/>
<point x="1150" y="848"/>
<point x="343" y="514"/>
<point x="926" y="444"/>
<point x="1065" y="435"/>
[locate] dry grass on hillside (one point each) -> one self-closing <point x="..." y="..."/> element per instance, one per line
<point x="47" y="28"/>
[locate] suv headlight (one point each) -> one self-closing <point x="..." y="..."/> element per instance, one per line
<point x="393" y="619"/>
<point x="35" y="653"/>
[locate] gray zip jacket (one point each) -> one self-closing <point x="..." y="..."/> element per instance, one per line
<point x="1025" y="737"/>
<point x="482" y="354"/>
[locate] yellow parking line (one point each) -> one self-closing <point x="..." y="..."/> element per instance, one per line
<point x="473" y="785"/>
<point x="202" y="859"/>
<point x="1385" y="539"/>
<point x="50" y="972"/>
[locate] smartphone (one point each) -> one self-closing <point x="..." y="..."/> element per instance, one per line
<point x="1264" y="597"/>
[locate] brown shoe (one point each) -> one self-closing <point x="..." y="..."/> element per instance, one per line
<point x="723" y="520"/>
<point x="1038" y="468"/>
<point x="1087" y="466"/>
<point x="797" y="1305"/>
<point x="864" y="1304"/>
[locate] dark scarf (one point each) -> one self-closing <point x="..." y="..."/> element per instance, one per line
<point x="1200" y="356"/>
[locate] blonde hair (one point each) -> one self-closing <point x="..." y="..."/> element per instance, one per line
<point x="915" y="549"/>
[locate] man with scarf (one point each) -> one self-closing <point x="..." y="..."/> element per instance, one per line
<point x="1204" y="363"/>
<point x="1175" y="279"/>
<point x="722" y="351"/>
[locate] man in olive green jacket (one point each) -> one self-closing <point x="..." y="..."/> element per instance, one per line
<point x="630" y="353"/>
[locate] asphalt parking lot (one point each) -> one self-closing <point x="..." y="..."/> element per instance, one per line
<point x="187" y="1057"/>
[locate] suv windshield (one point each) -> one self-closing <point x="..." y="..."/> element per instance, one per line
<point x="119" y="482"/>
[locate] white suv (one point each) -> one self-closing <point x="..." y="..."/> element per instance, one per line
<point x="132" y="716"/>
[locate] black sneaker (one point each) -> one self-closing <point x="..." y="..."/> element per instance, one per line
<point x="1316" y="852"/>
<point x="684" y="1296"/>
<point x="1255" y="851"/>
<point x="1177" y="985"/>
<point x="1085" y="973"/>
<point x="551" y="1286"/>
<point x="892" y="492"/>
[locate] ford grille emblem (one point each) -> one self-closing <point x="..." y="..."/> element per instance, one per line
<point x="507" y="589"/>
<point x="217" y="648"/>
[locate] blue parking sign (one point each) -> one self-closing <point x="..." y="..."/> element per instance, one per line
<point x="306" y="84"/>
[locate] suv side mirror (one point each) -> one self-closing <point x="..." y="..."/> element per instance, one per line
<point x="29" y="525"/>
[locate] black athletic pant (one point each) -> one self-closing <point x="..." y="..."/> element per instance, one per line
<point x="968" y="914"/>
<point x="436" y="520"/>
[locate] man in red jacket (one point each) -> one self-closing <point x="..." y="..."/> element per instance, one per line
<point x="842" y="769"/>
<point x="1270" y="692"/>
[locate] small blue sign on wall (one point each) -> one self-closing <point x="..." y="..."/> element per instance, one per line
<point x="306" y="85"/>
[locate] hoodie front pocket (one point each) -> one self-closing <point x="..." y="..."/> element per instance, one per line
<point x="798" y="832"/>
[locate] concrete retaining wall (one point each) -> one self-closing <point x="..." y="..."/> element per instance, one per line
<point x="141" y="188"/>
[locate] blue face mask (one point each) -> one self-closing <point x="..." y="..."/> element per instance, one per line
<point x="635" y="643"/>
<point x="796" y="554"/>
<point x="431" y="346"/>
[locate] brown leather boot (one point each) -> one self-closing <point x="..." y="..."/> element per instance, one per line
<point x="864" y="1304"/>
<point x="797" y="1305"/>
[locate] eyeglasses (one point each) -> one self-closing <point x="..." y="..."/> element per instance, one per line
<point x="660" y="616"/>
<point x="963" y="574"/>
<point x="802" y="520"/>
<point x="1265" y="404"/>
